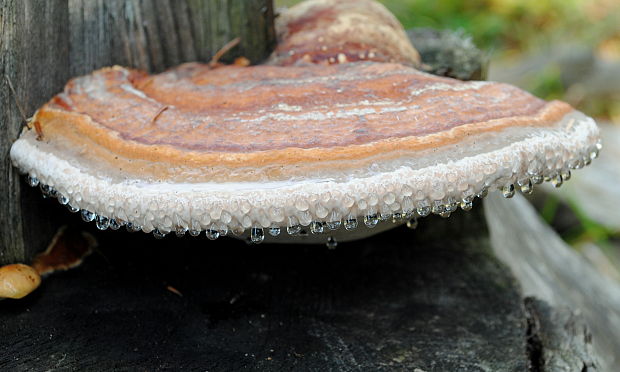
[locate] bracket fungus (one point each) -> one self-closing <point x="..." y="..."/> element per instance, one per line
<point x="66" y="250"/>
<point x="292" y="148"/>
<point x="340" y="31"/>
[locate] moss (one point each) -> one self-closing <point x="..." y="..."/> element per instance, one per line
<point x="449" y="53"/>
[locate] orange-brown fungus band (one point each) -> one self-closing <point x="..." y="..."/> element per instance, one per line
<point x="296" y="119"/>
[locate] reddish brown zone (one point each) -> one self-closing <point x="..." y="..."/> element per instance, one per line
<point x="320" y="54"/>
<point x="318" y="16"/>
<point x="59" y="101"/>
<point x="38" y="130"/>
<point x="305" y="36"/>
<point x="67" y="250"/>
<point x="310" y="20"/>
<point x="228" y="109"/>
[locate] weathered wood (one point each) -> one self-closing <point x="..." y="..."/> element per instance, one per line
<point x="558" y="339"/>
<point x="44" y="43"/>
<point x="434" y="299"/>
<point x="550" y="270"/>
<point x="33" y="60"/>
<point x="156" y="34"/>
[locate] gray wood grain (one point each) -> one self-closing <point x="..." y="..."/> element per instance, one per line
<point x="33" y="58"/>
<point x="549" y="269"/>
<point x="156" y="34"/>
<point x="44" y="43"/>
<point x="558" y="339"/>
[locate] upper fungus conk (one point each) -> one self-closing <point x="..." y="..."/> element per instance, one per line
<point x="271" y="149"/>
<point x="338" y="31"/>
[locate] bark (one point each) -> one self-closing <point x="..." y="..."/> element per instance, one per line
<point x="548" y="269"/>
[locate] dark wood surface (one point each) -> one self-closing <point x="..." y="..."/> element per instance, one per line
<point x="44" y="43"/>
<point x="560" y="340"/>
<point x="433" y="299"/>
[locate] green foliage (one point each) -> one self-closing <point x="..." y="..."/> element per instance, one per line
<point x="484" y="26"/>
<point x="507" y="24"/>
<point x="546" y="83"/>
<point x="588" y="229"/>
<point x="550" y="209"/>
<point x="584" y="230"/>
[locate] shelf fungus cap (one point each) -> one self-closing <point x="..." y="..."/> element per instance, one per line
<point x="340" y="31"/>
<point x="270" y="149"/>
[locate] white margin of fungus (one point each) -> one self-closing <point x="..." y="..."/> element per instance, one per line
<point x="165" y="206"/>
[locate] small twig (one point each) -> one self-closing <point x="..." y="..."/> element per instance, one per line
<point x="145" y="84"/>
<point x="158" y="114"/>
<point x="174" y="290"/>
<point x="19" y="107"/>
<point x="220" y="53"/>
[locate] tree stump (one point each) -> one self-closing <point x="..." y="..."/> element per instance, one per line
<point x="434" y="299"/>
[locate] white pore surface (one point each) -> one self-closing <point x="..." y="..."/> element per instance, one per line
<point x="442" y="177"/>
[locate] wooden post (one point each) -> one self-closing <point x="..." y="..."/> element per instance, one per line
<point x="157" y="34"/>
<point x="44" y="43"/>
<point x="33" y="66"/>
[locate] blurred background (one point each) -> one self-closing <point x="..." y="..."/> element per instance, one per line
<point x="555" y="49"/>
